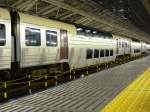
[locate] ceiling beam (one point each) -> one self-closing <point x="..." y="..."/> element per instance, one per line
<point x="50" y="10"/>
<point x="67" y="16"/>
<point x="42" y="10"/>
<point x="17" y="3"/>
<point x="94" y="17"/>
<point x="29" y="6"/>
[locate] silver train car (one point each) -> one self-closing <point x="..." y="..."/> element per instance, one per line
<point x="30" y="44"/>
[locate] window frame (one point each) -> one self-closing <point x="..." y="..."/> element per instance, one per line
<point x="33" y="28"/>
<point x="4" y="35"/>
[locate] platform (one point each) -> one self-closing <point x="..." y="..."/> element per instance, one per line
<point x="88" y="94"/>
<point x="135" y="98"/>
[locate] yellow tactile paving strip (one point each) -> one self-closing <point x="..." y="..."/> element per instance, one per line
<point x="135" y="98"/>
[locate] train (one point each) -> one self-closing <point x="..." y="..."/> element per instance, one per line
<point x="34" y="45"/>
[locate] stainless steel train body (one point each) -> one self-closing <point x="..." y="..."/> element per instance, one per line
<point x="27" y="42"/>
<point x="5" y="40"/>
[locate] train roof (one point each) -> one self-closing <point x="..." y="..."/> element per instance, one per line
<point x="30" y="19"/>
<point x="4" y="14"/>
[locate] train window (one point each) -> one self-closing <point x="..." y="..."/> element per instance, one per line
<point x="96" y="53"/>
<point x="89" y="53"/>
<point x="88" y="33"/>
<point x="51" y="38"/>
<point x="32" y="37"/>
<point x="119" y="44"/>
<point x="122" y="44"/>
<point x="95" y="34"/>
<point x="107" y="53"/>
<point x="80" y="31"/>
<point x="126" y="44"/>
<point x="101" y="35"/>
<point x="111" y="52"/>
<point x="2" y="35"/>
<point x="102" y="53"/>
<point x="137" y="50"/>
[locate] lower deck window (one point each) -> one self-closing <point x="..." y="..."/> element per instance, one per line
<point x="2" y="35"/>
<point x="89" y="53"/>
<point x="102" y="53"/>
<point x="107" y="53"/>
<point x="96" y="53"/>
<point x="32" y="37"/>
<point x="137" y="50"/>
<point x="111" y="52"/>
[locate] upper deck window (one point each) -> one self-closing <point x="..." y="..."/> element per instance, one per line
<point x="80" y="31"/>
<point x="2" y="35"/>
<point x="88" y="33"/>
<point x="107" y="36"/>
<point x="51" y="38"/>
<point x="32" y="37"/>
<point x="95" y="34"/>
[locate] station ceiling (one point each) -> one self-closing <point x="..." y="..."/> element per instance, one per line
<point x="82" y="12"/>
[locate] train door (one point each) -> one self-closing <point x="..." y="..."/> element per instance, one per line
<point x="63" y="44"/>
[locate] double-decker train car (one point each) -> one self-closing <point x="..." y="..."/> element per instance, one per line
<point x="35" y="45"/>
<point x="89" y="48"/>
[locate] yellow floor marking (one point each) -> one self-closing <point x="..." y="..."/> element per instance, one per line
<point x="135" y="98"/>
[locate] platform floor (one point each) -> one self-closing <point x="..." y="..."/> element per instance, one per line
<point x="135" y="98"/>
<point x="88" y="94"/>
